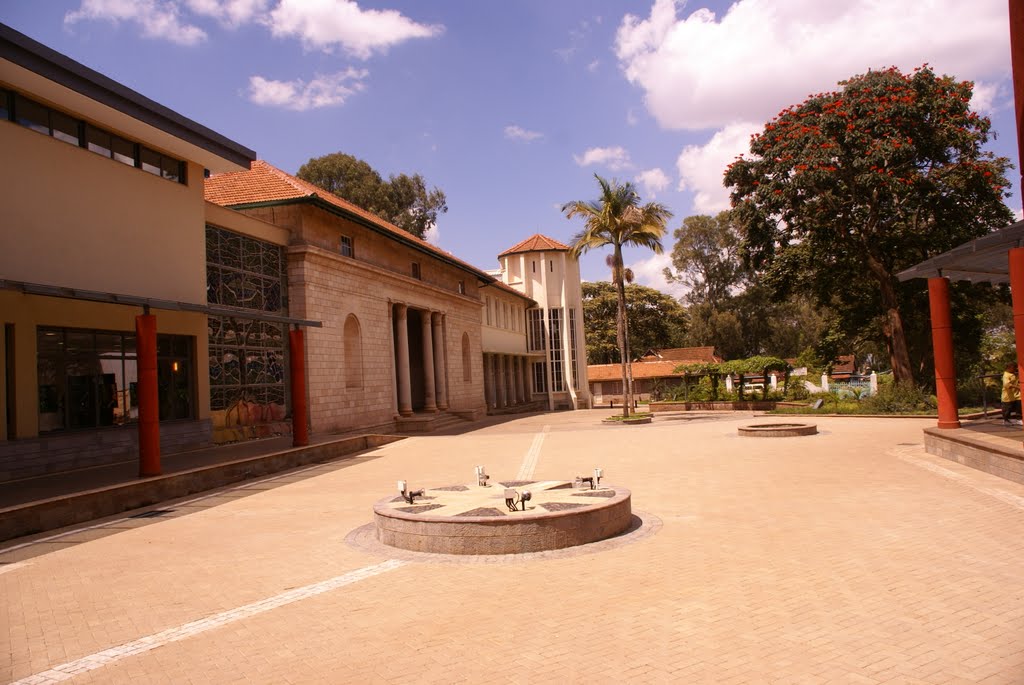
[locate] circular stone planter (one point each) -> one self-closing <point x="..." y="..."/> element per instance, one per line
<point x="778" y="430"/>
<point x="468" y="519"/>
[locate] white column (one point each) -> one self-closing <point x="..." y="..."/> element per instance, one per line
<point x="404" y="384"/>
<point x="728" y="382"/>
<point x="824" y="382"/>
<point x="873" y="380"/>
<point x="429" y="393"/>
<point x="440" y="368"/>
<point x="773" y="379"/>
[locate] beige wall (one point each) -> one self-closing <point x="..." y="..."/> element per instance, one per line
<point x="72" y="218"/>
<point x="27" y="312"/>
<point x="503" y="336"/>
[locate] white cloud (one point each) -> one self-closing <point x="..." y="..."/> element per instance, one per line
<point x="650" y="272"/>
<point x="232" y="13"/>
<point x="984" y="97"/>
<point x="156" y="19"/>
<point x="519" y="133"/>
<point x="592" y="67"/>
<point x="615" y="158"/>
<point x="326" y="24"/>
<point x="701" y="167"/>
<point x="702" y="71"/>
<point x="653" y="181"/>
<point x="631" y="117"/>
<point x="432" y="235"/>
<point x="322" y="91"/>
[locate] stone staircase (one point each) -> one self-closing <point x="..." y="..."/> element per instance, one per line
<point x="428" y="423"/>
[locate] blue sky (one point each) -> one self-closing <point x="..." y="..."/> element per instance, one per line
<point x="511" y="107"/>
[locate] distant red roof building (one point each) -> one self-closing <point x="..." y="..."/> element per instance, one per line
<point x="683" y="355"/>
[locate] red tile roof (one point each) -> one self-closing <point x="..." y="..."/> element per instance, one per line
<point x="684" y="355"/>
<point x="613" y="372"/>
<point x="265" y="183"/>
<point x="536" y="243"/>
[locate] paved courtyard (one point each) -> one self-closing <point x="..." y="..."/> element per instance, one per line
<point x="846" y="557"/>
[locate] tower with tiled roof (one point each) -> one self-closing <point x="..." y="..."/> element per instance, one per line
<point x="543" y="269"/>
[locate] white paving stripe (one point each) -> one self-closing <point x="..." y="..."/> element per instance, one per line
<point x="144" y="644"/>
<point x="1002" y="495"/>
<point x="532" y="455"/>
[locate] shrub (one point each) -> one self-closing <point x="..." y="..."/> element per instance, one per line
<point x="899" y="398"/>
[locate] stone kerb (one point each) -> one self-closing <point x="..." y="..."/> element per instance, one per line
<point x="534" y="530"/>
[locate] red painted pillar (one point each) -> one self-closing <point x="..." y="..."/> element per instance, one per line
<point x="149" y="400"/>
<point x="1016" y="259"/>
<point x="300" y="420"/>
<point x="942" y="345"/>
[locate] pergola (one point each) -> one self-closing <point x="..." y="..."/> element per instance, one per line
<point x="997" y="257"/>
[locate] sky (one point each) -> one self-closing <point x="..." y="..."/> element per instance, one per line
<point x="511" y="107"/>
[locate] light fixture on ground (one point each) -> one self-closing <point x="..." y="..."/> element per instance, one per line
<point x="513" y="497"/>
<point x="482" y="477"/>
<point x="408" y="495"/>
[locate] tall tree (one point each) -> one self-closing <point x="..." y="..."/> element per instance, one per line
<point x="616" y="219"/>
<point x="863" y="182"/>
<point x="706" y="258"/>
<point x="654" y="320"/>
<point x="403" y="200"/>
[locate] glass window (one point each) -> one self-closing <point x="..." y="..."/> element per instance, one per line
<point x="32" y="115"/>
<point x="5" y="106"/>
<point x="89" y="379"/>
<point x="540" y="377"/>
<point x="172" y="169"/>
<point x="64" y="127"/>
<point x="150" y="161"/>
<point x="97" y="140"/>
<point x="416" y="270"/>
<point x="124" y="150"/>
<point x="345" y="246"/>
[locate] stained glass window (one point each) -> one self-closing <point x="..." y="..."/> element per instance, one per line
<point x="247" y="358"/>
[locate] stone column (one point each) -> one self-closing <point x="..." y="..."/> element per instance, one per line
<point x="488" y="389"/>
<point x="499" y="377"/>
<point x="404" y="383"/>
<point x="517" y="375"/>
<point x="440" y="372"/>
<point x="148" y="394"/>
<point x="510" y="380"/>
<point x="429" y="394"/>
<point x="525" y="368"/>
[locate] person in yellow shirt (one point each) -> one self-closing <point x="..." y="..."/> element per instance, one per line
<point x="1011" y="396"/>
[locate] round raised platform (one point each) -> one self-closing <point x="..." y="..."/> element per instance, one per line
<point x="468" y="519"/>
<point x="778" y="430"/>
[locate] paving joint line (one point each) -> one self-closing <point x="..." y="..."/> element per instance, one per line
<point x="91" y="662"/>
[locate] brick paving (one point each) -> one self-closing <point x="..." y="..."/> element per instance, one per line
<point x="846" y="557"/>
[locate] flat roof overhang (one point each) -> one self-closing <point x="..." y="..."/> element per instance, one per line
<point x="46" y="73"/>
<point x="153" y="303"/>
<point x="982" y="260"/>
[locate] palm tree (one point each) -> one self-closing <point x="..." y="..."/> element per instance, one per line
<point x="617" y="218"/>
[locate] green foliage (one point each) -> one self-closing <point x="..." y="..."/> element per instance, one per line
<point x="655" y="320"/>
<point x="403" y="200"/>
<point x="848" y="188"/>
<point x="796" y="390"/>
<point x="706" y="258"/>
<point x="899" y="398"/>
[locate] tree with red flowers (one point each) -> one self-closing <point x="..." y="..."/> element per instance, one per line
<point x="845" y="190"/>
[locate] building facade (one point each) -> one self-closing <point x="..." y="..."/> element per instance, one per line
<point x="401" y="331"/>
<point x="542" y="269"/>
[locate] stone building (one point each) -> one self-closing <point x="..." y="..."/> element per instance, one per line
<point x="162" y="291"/>
<point x="543" y="270"/>
<point x="401" y="331"/>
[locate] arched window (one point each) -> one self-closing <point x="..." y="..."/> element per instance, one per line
<point x="467" y="359"/>
<point x="353" y="353"/>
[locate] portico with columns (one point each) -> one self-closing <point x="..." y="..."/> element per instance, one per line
<point x="421" y="367"/>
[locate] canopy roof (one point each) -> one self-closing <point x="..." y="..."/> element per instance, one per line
<point x="982" y="260"/>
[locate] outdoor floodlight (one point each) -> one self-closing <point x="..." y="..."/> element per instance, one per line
<point x="513" y="497"/>
<point x="408" y="495"/>
<point x="482" y="477"/>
